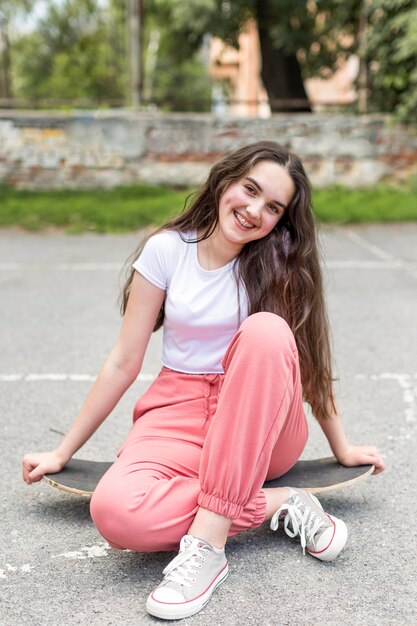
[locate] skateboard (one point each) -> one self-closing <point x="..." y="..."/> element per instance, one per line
<point x="80" y="477"/>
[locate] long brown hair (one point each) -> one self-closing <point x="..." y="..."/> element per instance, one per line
<point x="280" y="272"/>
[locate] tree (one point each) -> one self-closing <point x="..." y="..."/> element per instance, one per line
<point x="79" y="52"/>
<point x="391" y="57"/>
<point x="9" y="9"/>
<point x="287" y="30"/>
<point x="75" y="52"/>
<point x="173" y="80"/>
<point x="301" y="38"/>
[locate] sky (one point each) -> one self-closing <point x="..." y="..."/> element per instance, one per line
<point x="28" y="23"/>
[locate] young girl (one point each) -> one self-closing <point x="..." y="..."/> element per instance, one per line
<point x="235" y="281"/>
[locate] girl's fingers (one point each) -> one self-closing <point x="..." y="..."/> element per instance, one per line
<point x="27" y="468"/>
<point x="379" y="465"/>
<point x="30" y="467"/>
<point x="36" y="475"/>
<point x="364" y="455"/>
<point x="372" y="458"/>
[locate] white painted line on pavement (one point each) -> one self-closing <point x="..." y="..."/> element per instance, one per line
<point x="87" y="552"/>
<point x="407" y="382"/>
<point x="386" y="264"/>
<point x="53" y="377"/>
<point x="370" y="265"/>
<point x="408" y="385"/>
<point x="10" y="378"/>
<point x="389" y="261"/>
<point x="58" y="377"/>
<point x="62" y="267"/>
<point x="370" y="247"/>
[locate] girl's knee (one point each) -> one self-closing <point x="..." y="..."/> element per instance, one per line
<point x="122" y="525"/>
<point x="105" y="513"/>
<point x="267" y="330"/>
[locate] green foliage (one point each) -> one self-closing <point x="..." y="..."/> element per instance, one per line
<point x="392" y="57"/>
<point x="190" y="21"/>
<point x="182" y="86"/>
<point x="76" y="51"/>
<point x="310" y="29"/>
<point x="175" y="82"/>
<point x="10" y="9"/>
<point x="79" y="48"/>
<point x="322" y="34"/>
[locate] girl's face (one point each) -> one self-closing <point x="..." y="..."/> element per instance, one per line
<point x="251" y="207"/>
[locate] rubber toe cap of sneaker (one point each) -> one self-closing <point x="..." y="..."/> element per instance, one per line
<point x="325" y="539"/>
<point x="331" y="542"/>
<point x="165" y="594"/>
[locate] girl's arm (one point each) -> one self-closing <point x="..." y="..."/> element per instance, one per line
<point x="121" y="368"/>
<point x="345" y="453"/>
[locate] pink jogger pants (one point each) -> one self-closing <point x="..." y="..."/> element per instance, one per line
<point x="208" y="440"/>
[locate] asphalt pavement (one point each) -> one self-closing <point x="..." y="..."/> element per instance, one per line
<point x="58" y="320"/>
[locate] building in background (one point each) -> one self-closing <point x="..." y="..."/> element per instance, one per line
<point x="238" y="87"/>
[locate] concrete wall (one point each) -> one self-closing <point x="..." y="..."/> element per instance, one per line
<point x="46" y="150"/>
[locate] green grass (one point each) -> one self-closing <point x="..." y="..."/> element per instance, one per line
<point x="100" y="210"/>
<point x="378" y="204"/>
<point x="138" y="206"/>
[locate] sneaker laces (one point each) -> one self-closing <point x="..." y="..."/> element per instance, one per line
<point x="298" y="523"/>
<point x="184" y="567"/>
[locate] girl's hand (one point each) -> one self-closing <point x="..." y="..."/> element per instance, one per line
<point x="37" y="464"/>
<point x="361" y="455"/>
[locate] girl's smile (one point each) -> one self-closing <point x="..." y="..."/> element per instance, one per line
<point x="243" y="222"/>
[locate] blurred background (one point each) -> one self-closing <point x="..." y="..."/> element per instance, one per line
<point x="241" y="57"/>
<point x="118" y="93"/>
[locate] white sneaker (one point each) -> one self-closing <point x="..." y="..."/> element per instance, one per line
<point x="189" y="580"/>
<point x="322" y="534"/>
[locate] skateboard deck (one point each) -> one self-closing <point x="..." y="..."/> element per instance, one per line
<point x="81" y="477"/>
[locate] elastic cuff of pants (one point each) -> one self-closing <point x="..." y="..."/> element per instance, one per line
<point x="260" y="510"/>
<point x="224" y="507"/>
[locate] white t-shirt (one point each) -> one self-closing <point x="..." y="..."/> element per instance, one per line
<point x="201" y="307"/>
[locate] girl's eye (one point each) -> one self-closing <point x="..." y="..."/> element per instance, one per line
<point x="250" y="189"/>
<point x="273" y="208"/>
